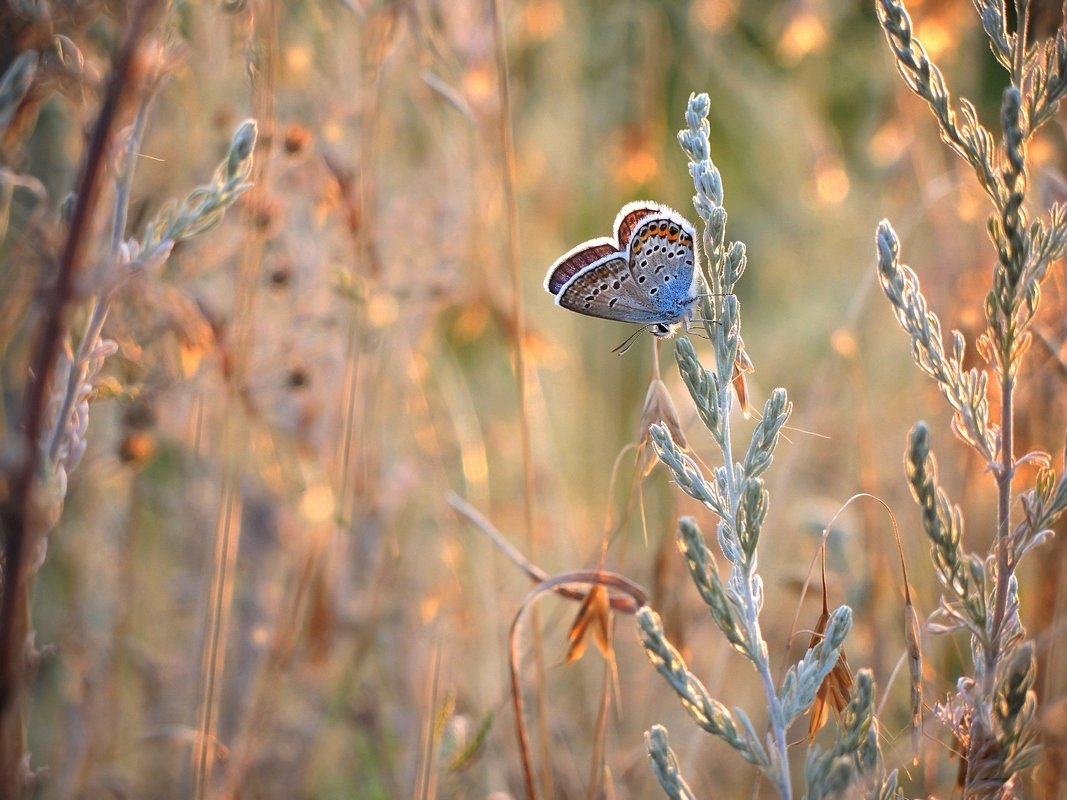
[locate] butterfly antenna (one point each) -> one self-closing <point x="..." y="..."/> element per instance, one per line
<point x="628" y="343"/>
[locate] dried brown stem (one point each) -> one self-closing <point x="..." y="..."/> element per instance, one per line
<point x="17" y="508"/>
<point x="620" y="584"/>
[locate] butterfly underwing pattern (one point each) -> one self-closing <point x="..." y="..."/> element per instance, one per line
<point x="646" y="274"/>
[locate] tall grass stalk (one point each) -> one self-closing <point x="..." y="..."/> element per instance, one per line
<point x="522" y="369"/>
<point x="65" y="376"/>
<point x="25" y="511"/>
<point x="993" y="713"/>
<point x="232" y="432"/>
<point x="736" y="494"/>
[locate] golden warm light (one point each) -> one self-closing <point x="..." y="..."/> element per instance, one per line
<point x="973" y="204"/>
<point x="429" y="607"/>
<point x="364" y="362"/>
<point x="189" y="358"/>
<point x="639" y="166"/>
<point x="714" y="15"/>
<point x="804" y="34"/>
<point x="888" y="144"/>
<point x="471" y="322"/>
<point x="1041" y="151"/>
<point x="475" y="465"/>
<point x="831" y="183"/>
<point x="332" y="131"/>
<point x="298" y="61"/>
<point x="317" y="504"/>
<point x="479" y="84"/>
<point x="935" y="36"/>
<point x="844" y="343"/>
<point x="382" y="309"/>
<point x="636" y="160"/>
<point x="542" y="18"/>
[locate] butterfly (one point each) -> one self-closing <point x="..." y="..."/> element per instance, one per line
<point x="647" y="274"/>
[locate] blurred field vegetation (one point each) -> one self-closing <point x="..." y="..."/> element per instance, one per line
<point x="322" y="368"/>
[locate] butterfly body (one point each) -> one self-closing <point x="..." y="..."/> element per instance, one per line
<point x="646" y="274"/>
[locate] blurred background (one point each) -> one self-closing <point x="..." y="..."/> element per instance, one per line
<point x="297" y="392"/>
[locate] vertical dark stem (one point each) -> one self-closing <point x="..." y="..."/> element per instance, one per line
<point x="17" y="511"/>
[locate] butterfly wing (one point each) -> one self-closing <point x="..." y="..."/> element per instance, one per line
<point x="630" y="216"/>
<point x="645" y="275"/>
<point x="607" y="289"/>
<point x="575" y="260"/>
<point x="662" y="260"/>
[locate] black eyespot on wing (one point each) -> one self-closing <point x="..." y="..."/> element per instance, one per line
<point x="625" y="227"/>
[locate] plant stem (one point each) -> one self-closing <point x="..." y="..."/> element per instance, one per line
<point x="17" y="511"/>
<point x="124" y="181"/>
<point x="756" y="643"/>
<point x="101" y="304"/>
<point x="1005" y="563"/>
<point x="1004" y="569"/>
<point x="785" y="789"/>
<point x="1022" y="19"/>
<point x="78" y="369"/>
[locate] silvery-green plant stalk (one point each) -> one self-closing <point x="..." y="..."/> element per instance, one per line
<point x="855" y="756"/>
<point x="735" y="493"/>
<point x="198" y="213"/>
<point x="665" y="765"/>
<point x="992" y="713"/>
